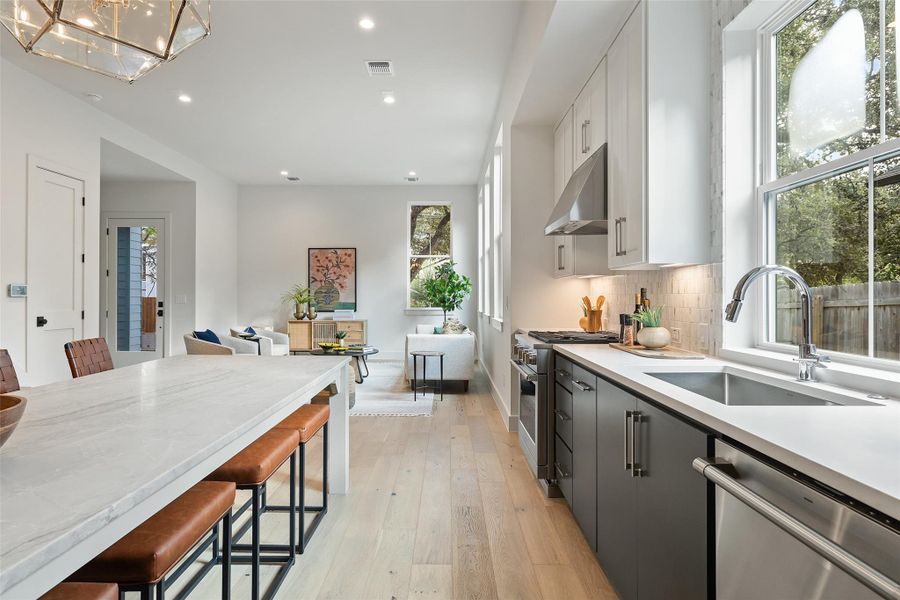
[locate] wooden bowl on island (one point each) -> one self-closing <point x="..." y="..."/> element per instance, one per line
<point x="11" y="410"/>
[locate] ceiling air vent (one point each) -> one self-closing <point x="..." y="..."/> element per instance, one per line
<point x="292" y="178"/>
<point x="411" y="179"/>
<point x="380" y="68"/>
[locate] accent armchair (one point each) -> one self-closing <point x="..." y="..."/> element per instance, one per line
<point x="458" y="349"/>
<point x="271" y="343"/>
<point x="228" y="345"/>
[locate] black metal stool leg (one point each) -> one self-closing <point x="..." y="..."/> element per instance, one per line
<point x="226" y="556"/>
<point x="415" y="382"/>
<point x="254" y="532"/>
<point x="301" y="500"/>
<point x="442" y="377"/>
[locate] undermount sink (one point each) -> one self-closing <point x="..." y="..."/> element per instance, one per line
<point x="736" y="390"/>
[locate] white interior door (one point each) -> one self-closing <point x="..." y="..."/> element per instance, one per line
<point x="55" y="271"/>
<point x="135" y="290"/>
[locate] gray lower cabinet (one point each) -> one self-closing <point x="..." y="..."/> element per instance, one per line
<point x="652" y="510"/>
<point x="616" y="491"/>
<point x="584" y="452"/>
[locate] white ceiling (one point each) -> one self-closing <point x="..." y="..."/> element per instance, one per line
<point x="283" y="85"/>
<point x="577" y="37"/>
<point x="119" y="164"/>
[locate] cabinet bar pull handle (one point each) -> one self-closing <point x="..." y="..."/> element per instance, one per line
<point x="636" y="468"/>
<point x="560" y="264"/>
<point x="581" y="385"/>
<point x="625" y="431"/>
<point x="562" y="472"/>
<point x="563" y="373"/>
<point x="622" y="228"/>
<point x="585" y="136"/>
<point x="562" y="416"/>
<point x="876" y="581"/>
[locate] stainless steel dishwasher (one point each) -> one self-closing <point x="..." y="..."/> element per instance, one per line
<point x="778" y="538"/>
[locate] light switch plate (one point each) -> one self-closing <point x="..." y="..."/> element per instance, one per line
<point x="18" y="290"/>
<point x="676" y="335"/>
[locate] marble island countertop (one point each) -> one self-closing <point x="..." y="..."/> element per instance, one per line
<point x="94" y="457"/>
<point x="853" y="449"/>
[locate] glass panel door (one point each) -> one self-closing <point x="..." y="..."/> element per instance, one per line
<point x="135" y="326"/>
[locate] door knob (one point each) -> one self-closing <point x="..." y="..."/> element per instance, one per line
<point x="41" y="321"/>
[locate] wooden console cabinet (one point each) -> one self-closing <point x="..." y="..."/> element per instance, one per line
<point x="306" y="335"/>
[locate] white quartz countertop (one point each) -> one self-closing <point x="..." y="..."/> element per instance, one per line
<point x="853" y="449"/>
<point x="93" y="457"/>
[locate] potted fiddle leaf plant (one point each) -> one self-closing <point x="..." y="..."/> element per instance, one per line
<point x="652" y="334"/>
<point x="447" y="289"/>
<point x="298" y="296"/>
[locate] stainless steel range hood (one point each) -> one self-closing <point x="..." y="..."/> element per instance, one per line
<point x="582" y="207"/>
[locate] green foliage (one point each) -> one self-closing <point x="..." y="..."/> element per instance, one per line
<point x="339" y="335"/>
<point x="649" y="317"/>
<point x="447" y="289"/>
<point x="296" y="295"/>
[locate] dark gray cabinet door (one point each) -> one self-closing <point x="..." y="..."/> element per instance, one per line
<point x="584" y="452"/>
<point x="672" y="503"/>
<point x="616" y="492"/>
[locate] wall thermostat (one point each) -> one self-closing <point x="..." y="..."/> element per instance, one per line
<point x="18" y="290"/>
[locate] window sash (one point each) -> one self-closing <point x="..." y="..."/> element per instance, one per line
<point x="772" y="185"/>
<point x="410" y="256"/>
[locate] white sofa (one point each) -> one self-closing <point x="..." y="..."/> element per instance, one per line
<point x="229" y="345"/>
<point x="271" y="343"/>
<point x="458" y="349"/>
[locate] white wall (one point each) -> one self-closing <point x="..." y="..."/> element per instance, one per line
<point x="40" y="119"/>
<point x="494" y="344"/>
<point x="178" y="200"/>
<point x="277" y="225"/>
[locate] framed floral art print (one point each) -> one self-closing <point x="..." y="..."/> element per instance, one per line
<point x="332" y="278"/>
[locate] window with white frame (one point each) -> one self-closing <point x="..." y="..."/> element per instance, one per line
<point x="831" y="173"/>
<point x="490" y="236"/>
<point x="429" y="245"/>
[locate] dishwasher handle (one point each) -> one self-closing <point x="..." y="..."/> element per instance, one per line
<point x="875" y="580"/>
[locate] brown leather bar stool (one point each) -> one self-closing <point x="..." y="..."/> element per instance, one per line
<point x="144" y="560"/>
<point x="88" y="356"/>
<point x="250" y="469"/>
<point x="83" y="591"/>
<point x="307" y="421"/>
<point x="8" y="380"/>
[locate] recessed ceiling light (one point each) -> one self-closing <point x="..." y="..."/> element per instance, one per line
<point x="184" y="98"/>
<point x="366" y="23"/>
<point x="149" y="13"/>
<point x="84" y="22"/>
<point x="388" y="97"/>
<point x="412" y="173"/>
<point x="284" y="173"/>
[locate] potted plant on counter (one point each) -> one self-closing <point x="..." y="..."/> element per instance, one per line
<point x="298" y="296"/>
<point x="652" y="334"/>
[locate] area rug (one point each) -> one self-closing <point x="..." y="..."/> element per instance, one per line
<point x="385" y="393"/>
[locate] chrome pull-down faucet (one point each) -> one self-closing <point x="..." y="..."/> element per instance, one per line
<point x="809" y="357"/>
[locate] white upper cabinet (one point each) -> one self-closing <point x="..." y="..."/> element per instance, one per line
<point x="590" y="116"/>
<point x="563" y="145"/>
<point x="658" y="129"/>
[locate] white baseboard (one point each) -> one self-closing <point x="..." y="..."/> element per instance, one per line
<point x="510" y="421"/>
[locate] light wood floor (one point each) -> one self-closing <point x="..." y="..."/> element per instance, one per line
<point x="440" y="508"/>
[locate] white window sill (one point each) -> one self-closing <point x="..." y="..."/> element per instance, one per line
<point x="497" y="324"/>
<point x="424" y="312"/>
<point x="867" y="379"/>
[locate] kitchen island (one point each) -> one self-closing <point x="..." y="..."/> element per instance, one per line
<point x="94" y="457"/>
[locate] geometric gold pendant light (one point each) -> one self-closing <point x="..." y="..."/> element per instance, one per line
<point x="124" y="39"/>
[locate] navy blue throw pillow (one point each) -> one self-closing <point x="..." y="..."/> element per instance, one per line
<point x="250" y="330"/>
<point x="207" y="336"/>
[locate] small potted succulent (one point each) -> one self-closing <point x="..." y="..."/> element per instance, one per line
<point x="341" y="337"/>
<point x="652" y="334"/>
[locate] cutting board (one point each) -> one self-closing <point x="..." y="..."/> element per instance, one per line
<point x="667" y="352"/>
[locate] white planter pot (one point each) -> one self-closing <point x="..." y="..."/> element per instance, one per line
<point x="654" y="337"/>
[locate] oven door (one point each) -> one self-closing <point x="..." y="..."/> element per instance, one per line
<point x="532" y="424"/>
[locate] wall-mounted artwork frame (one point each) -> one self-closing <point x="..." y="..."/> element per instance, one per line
<point x="332" y="278"/>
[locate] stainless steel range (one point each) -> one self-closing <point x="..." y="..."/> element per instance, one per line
<point x="532" y="361"/>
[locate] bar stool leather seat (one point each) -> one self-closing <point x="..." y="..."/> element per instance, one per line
<point x="83" y="591"/>
<point x="157" y="544"/>
<point x="307" y="420"/>
<point x="255" y="464"/>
